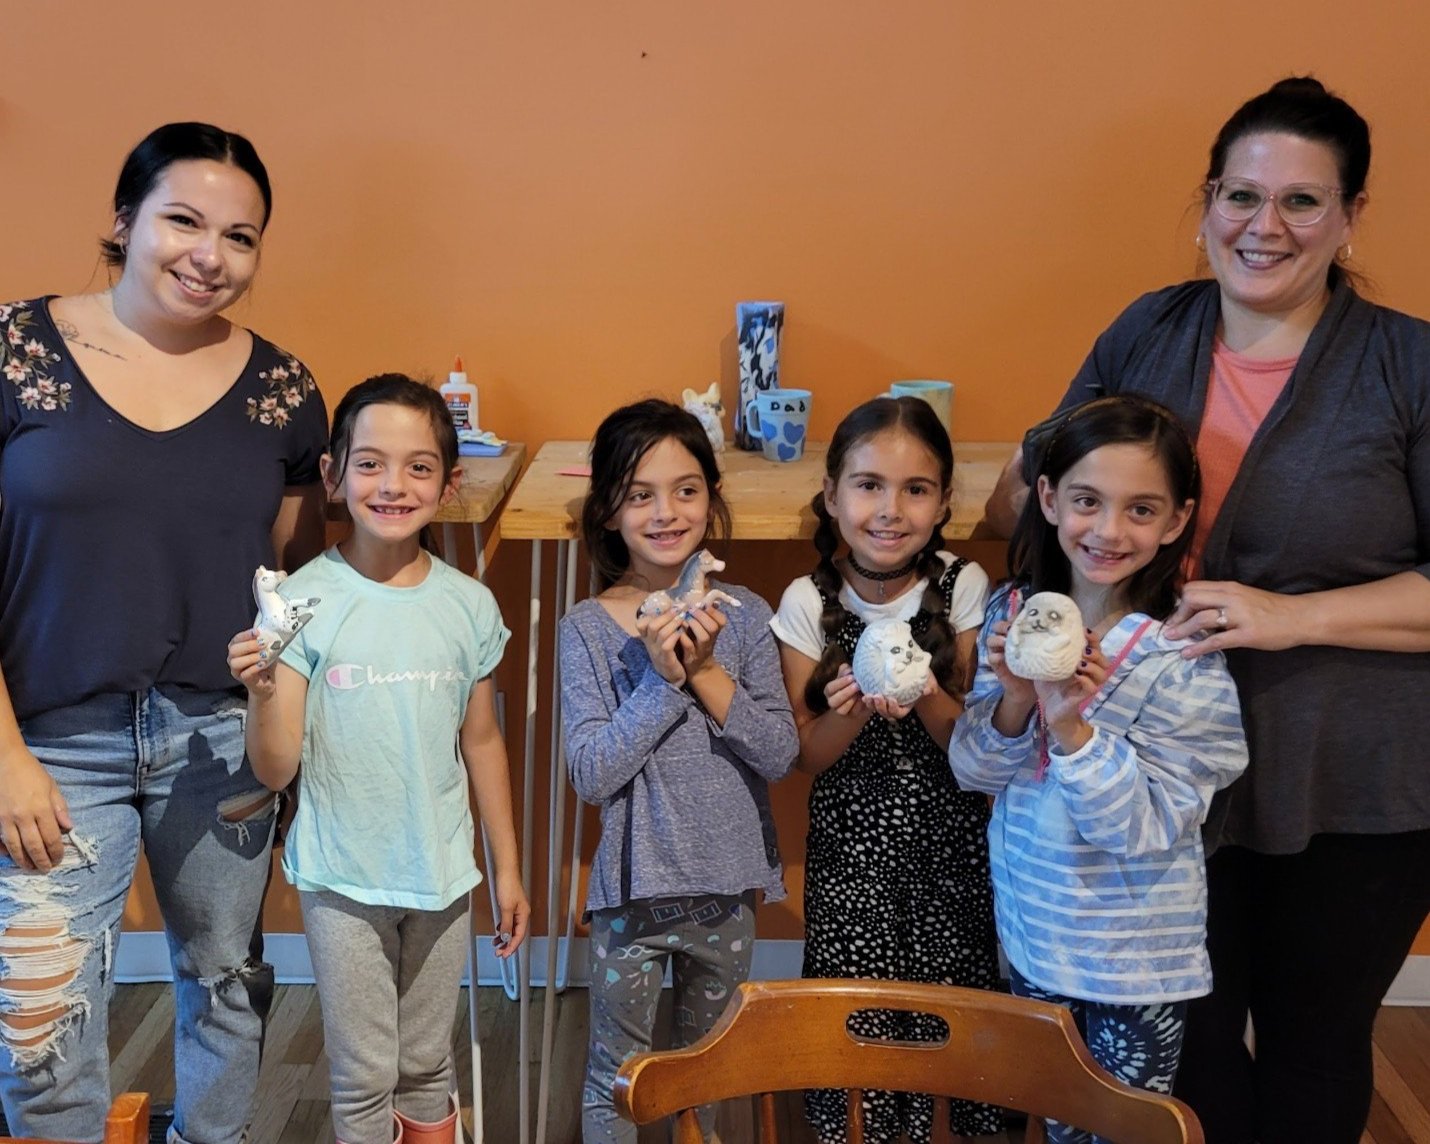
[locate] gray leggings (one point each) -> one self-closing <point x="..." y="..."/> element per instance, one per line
<point x="708" y="940"/>
<point x="389" y="982"/>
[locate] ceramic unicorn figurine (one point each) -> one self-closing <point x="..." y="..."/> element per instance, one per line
<point x="278" y="620"/>
<point x="689" y="592"/>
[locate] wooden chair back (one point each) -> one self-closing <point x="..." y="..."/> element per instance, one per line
<point x="782" y="1036"/>
<point x="127" y="1122"/>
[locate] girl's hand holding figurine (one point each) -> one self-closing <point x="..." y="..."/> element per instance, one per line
<point x="892" y="711"/>
<point x="842" y="692"/>
<point x="250" y="664"/>
<point x="662" y="635"/>
<point x="698" y="643"/>
<point x="1062" y="699"/>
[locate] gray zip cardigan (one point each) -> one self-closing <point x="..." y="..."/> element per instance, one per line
<point x="1334" y="490"/>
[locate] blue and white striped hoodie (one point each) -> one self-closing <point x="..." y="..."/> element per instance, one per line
<point x="1098" y="872"/>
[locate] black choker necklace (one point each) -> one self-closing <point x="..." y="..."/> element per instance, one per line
<point x="881" y="578"/>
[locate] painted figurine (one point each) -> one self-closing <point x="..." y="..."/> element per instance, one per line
<point x="689" y="592"/>
<point x="278" y="620"/>
<point x="1046" y="638"/>
<point x="889" y="662"/>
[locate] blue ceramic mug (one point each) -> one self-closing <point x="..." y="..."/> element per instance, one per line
<point x="939" y="394"/>
<point x="779" y="420"/>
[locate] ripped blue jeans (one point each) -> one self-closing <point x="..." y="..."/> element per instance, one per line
<point x="164" y="767"/>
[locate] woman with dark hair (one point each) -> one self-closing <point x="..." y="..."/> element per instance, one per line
<point x="1311" y="412"/>
<point x="152" y="455"/>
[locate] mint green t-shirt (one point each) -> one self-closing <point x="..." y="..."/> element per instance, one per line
<point x="383" y="815"/>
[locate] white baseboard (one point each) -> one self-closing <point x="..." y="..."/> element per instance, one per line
<point x="144" y="956"/>
<point x="1412" y="985"/>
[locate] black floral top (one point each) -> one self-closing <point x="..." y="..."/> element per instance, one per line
<point x="127" y="555"/>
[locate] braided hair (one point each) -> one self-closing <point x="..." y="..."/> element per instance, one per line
<point x="915" y="417"/>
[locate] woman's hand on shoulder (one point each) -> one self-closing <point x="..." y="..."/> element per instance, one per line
<point x="1221" y="614"/>
<point x="251" y="665"/>
<point x="662" y="635"/>
<point x="34" y="816"/>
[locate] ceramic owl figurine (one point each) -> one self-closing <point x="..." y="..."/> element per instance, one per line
<point x="1046" y="638"/>
<point x="888" y="662"/>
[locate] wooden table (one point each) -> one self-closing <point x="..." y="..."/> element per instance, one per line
<point x="768" y="501"/>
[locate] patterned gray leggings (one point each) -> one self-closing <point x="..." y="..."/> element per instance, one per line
<point x="708" y="941"/>
<point x="1138" y="1044"/>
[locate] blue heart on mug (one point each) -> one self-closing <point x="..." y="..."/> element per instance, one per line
<point x="787" y="452"/>
<point x="793" y="431"/>
<point x="768" y="429"/>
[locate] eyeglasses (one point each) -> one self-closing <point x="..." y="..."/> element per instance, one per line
<point x="1298" y="204"/>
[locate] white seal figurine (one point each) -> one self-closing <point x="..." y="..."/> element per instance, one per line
<point x="1046" y="638"/>
<point x="689" y="591"/>
<point x="278" y="620"/>
<point x="888" y="662"/>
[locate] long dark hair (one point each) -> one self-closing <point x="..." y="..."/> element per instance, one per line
<point x="1036" y="559"/>
<point x="393" y="389"/>
<point x="917" y="418"/>
<point x="621" y="440"/>
<point x="176" y="143"/>
<point x="1301" y="106"/>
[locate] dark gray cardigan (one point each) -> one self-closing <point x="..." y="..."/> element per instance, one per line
<point x="1334" y="490"/>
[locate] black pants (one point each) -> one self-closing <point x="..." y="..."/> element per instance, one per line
<point x="1307" y="944"/>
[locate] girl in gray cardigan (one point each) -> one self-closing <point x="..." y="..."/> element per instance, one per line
<point x="675" y="722"/>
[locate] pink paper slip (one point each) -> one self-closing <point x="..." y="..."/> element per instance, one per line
<point x="575" y="471"/>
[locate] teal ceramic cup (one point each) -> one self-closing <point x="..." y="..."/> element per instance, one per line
<point x="939" y="394"/>
<point x="779" y="420"/>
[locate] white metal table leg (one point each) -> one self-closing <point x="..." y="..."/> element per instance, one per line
<point x="528" y="821"/>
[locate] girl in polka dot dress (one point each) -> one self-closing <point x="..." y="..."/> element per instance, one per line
<point x="897" y="882"/>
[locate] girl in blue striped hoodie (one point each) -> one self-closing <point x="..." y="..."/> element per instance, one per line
<point x="1102" y="781"/>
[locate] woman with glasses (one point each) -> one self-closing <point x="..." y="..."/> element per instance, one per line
<point x="1311" y="570"/>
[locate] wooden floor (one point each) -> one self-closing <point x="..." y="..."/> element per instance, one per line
<point x="293" y="1105"/>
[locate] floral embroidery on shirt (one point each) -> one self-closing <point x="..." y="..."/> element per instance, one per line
<point x="289" y="385"/>
<point x="26" y="361"/>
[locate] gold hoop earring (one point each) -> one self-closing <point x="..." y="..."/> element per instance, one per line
<point x="1200" y="242"/>
<point x="1346" y="257"/>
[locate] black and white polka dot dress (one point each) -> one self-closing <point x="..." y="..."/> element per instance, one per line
<point x="897" y="887"/>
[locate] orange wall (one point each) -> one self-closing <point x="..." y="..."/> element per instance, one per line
<point x="574" y="195"/>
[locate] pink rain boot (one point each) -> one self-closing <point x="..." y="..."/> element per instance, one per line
<point x="442" y="1131"/>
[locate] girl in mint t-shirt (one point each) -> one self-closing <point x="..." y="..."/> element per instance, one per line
<point x="386" y="696"/>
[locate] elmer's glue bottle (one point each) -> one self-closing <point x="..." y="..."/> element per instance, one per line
<point x="461" y="398"/>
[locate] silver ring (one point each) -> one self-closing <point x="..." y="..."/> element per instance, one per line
<point x="1221" y="617"/>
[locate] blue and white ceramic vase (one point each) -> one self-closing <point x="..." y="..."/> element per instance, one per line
<point x="757" y="326"/>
